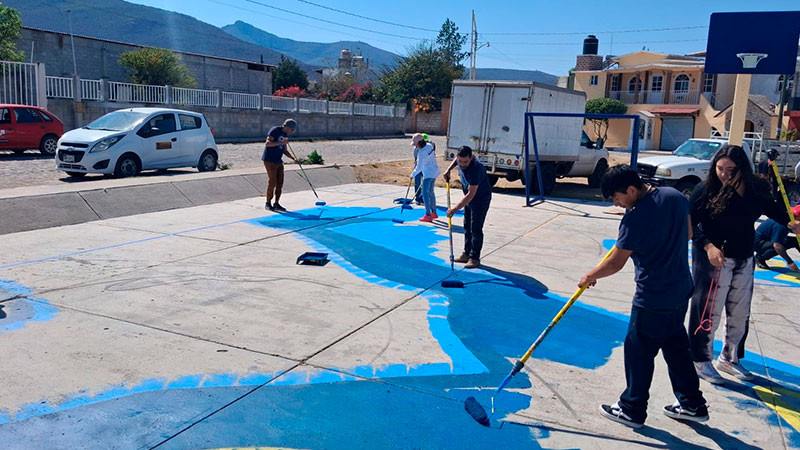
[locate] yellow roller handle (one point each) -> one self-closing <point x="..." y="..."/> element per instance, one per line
<point x="785" y="197"/>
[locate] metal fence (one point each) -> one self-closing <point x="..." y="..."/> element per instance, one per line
<point x="91" y="90"/>
<point x="136" y="93"/>
<point x="340" y="108"/>
<point x="194" y="97"/>
<point x="59" y="87"/>
<point x="241" y="101"/>
<point x="19" y="83"/>
<point x="274" y="103"/>
<point x="308" y="105"/>
<point x="100" y="90"/>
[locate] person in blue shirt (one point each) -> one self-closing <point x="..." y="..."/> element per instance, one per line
<point x="274" y="149"/>
<point x="477" y="197"/>
<point x="773" y="239"/>
<point x="654" y="233"/>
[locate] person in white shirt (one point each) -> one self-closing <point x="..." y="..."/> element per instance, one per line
<point x="429" y="168"/>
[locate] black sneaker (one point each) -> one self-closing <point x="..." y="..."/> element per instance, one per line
<point x="278" y="207"/>
<point x="614" y="412"/>
<point x="678" y="412"/>
<point x="761" y="263"/>
<point x="269" y="206"/>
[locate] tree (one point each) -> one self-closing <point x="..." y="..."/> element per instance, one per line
<point x="289" y="74"/>
<point x="604" y="106"/>
<point x="10" y="27"/>
<point x="450" y="43"/>
<point x="423" y="72"/>
<point x="156" y="66"/>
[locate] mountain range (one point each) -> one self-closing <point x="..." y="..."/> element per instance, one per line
<point x="122" y="21"/>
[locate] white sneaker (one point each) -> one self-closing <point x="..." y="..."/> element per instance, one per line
<point x="735" y="369"/>
<point x="706" y="371"/>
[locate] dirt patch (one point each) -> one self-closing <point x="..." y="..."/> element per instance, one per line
<point x="397" y="173"/>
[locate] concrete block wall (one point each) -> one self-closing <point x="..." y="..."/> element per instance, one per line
<point x="242" y="124"/>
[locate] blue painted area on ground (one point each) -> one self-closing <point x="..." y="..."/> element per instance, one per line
<point x="19" y="308"/>
<point x="493" y="319"/>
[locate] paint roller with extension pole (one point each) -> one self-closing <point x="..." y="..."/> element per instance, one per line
<point x="451" y="283"/>
<point x="471" y="404"/>
<point x="294" y="155"/>
<point x="785" y="197"/>
<point x="406" y="206"/>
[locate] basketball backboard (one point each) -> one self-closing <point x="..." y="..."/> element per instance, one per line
<point x="753" y="42"/>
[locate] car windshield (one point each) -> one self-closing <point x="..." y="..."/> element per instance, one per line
<point x="698" y="149"/>
<point x="117" y="121"/>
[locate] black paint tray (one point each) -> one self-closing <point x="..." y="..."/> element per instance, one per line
<point x="318" y="259"/>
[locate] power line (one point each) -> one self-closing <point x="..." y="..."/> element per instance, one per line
<point x="365" y="17"/>
<point x="578" y="43"/>
<point x="331" y="22"/>
<point x="696" y="27"/>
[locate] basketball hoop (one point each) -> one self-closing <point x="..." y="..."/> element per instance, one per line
<point x="751" y="60"/>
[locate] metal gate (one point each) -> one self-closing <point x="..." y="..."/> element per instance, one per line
<point x="19" y="83"/>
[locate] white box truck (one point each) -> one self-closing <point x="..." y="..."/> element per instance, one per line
<point x="488" y="116"/>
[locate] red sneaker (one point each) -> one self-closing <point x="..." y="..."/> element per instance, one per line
<point x="427" y="218"/>
<point x="434" y="216"/>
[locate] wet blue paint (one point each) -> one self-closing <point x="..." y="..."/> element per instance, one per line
<point x="23" y="308"/>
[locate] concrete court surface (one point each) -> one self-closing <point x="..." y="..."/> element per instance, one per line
<point x="195" y="328"/>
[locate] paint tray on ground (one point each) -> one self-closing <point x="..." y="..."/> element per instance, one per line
<point x="314" y="258"/>
<point x="404" y="201"/>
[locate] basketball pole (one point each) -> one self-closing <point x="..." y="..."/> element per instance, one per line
<point x="739" y="112"/>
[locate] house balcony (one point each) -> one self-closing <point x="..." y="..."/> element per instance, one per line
<point x="657" y="97"/>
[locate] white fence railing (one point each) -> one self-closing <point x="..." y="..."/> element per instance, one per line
<point x="340" y="108"/>
<point x="136" y="93"/>
<point x="363" y="109"/>
<point x="62" y="87"/>
<point x="241" y="101"/>
<point x="194" y="97"/>
<point x="274" y="103"/>
<point x="308" y="105"/>
<point x="19" y="83"/>
<point x="91" y="89"/>
<point x="59" y="87"/>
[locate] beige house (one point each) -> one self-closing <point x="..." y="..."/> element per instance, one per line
<point x="675" y="98"/>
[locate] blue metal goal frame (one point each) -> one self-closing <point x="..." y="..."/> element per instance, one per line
<point x="530" y="125"/>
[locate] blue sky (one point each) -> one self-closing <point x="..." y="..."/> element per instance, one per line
<point x="552" y="53"/>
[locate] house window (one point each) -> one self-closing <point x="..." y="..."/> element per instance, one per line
<point x="593" y="80"/>
<point x="616" y="81"/>
<point x="708" y="82"/>
<point x="634" y="85"/>
<point x="682" y="83"/>
<point x="789" y="84"/>
<point x="657" y="83"/>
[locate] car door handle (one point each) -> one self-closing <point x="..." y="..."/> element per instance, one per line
<point x="174" y="139"/>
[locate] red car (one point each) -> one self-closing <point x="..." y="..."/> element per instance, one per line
<point x="24" y="127"/>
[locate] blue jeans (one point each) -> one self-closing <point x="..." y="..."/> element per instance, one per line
<point x="417" y="190"/>
<point x="428" y="196"/>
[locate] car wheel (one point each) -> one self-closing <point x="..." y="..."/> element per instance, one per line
<point x="128" y="165"/>
<point x="548" y="178"/>
<point x="48" y="145"/>
<point x="76" y="174"/>
<point x="208" y="162"/>
<point x="686" y="187"/>
<point x="597" y="176"/>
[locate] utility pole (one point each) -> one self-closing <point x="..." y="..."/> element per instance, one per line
<point x="72" y="38"/>
<point x="473" y="48"/>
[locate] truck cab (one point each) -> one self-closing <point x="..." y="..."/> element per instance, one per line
<point x="685" y="167"/>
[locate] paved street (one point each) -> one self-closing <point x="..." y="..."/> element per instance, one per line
<point x="31" y="169"/>
<point x="195" y="328"/>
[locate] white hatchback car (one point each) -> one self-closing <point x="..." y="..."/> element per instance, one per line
<point x="124" y="142"/>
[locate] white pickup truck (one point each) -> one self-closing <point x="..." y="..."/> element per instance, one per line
<point x="685" y="167"/>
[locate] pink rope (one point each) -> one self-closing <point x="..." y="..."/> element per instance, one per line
<point x="707" y="324"/>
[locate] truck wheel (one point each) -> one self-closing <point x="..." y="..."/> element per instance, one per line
<point x="493" y="179"/>
<point x="548" y="178"/>
<point x="686" y="187"/>
<point x="597" y="175"/>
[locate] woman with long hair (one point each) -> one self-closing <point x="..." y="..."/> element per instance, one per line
<point x="724" y="209"/>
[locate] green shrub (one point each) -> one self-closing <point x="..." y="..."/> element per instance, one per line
<point x="315" y="158"/>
